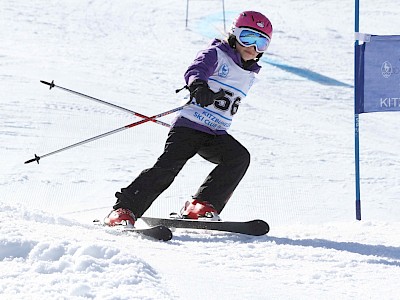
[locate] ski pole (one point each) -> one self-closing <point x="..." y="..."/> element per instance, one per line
<point x="37" y="158"/>
<point x="52" y="85"/>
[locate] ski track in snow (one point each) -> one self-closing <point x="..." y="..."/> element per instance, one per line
<point x="298" y="131"/>
<point x="49" y="249"/>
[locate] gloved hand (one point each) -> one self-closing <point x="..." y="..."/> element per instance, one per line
<point x="204" y="96"/>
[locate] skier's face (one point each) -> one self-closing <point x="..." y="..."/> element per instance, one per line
<point x="247" y="53"/>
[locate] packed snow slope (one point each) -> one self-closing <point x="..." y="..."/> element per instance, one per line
<point x="297" y="122"/>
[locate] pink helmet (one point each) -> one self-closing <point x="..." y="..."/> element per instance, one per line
<point x="253" y="20"/>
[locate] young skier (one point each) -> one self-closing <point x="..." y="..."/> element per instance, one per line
<point x="201" y="127"/>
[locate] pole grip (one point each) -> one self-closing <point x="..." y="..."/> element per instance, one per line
<point x="219" y="94"/>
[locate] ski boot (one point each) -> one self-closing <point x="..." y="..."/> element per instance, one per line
<point x="199" y="210"/>
<point x="120" y="216"/>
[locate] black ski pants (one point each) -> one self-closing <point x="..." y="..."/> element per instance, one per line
<point x="183" y="143"/>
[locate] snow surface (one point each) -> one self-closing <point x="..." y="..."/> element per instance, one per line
<point x="297" y="122"/>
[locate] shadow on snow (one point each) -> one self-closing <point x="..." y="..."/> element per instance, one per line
<point x="387" y="255"/>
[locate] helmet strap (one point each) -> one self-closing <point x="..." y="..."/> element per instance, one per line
<point x="232" y="41"/>
<point x="248" y="63"/>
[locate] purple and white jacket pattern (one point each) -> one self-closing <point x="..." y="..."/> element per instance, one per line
<point x="221" y="67"/>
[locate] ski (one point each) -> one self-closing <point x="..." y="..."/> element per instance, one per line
<point x="158" y="232"/>
<point x="253" y="227"/>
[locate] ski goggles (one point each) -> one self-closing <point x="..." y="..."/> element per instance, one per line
<point x="248" y="38"/>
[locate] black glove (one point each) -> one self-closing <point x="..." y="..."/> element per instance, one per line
<point x="204" y="96"/>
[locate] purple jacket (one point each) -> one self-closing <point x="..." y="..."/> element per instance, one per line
<point x="206" y="61"/>
<point x="202" y="68"/>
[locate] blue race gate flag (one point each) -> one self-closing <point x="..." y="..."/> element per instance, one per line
<point x="378" y="74"/>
